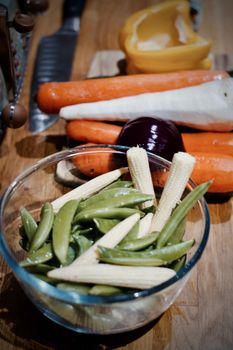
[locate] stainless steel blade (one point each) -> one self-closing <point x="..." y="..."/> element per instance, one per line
<point x="54" y="62"/>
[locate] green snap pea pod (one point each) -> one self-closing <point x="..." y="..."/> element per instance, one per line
<point x="127" y="200"/>
<point x="83" y="244"/>
<point x="101" y="289"/>
<point x="166" y="254"/>
<point x="62" y="229"/>
<point x="147" y="261"/>
<point x="82" y="232"/>
<point x="139" y="243"/>
<point x="45" y="278"/>
<point x="178" y="264"/>
<point x="74" y="287"/>
<point x="40" y="256"/>
<point x="40" y="269"/>
<point x="178" y="235"/>
<point x="180" y="212"/>
<point x="104" y="225"/>
<point x="44" y="227"/>
<point x="106" y="213"/>
<point x="132" y="234"/>
<point x="105" y="195"/>
<point x="71" y="255"/>
<point x="28" y="222"/>
<point x="119" y="183"/>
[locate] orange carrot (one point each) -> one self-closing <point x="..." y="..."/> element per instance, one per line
<point x="93" y="131"/>
<point x="216" y="166"/>
<point x="93" y="165"/>
<point x="52" y="96"/>
<point x="210" y="142"/>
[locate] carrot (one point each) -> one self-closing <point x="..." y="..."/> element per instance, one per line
<point x="93" y="131"/>
<point x="210" y="142"/>
<point x="93" y="165"/>
<point x="52" y="96"/>
<point x="216" y="166"/>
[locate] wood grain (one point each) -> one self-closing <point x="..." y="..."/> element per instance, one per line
<point x="202" y="316"/>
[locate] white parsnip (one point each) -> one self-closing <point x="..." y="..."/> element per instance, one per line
<point x="144" y="225"/>
<point x="179" y="174"/>
<point x="121" y="276"/>
<point x="87" y="189"/>
<point x="109" y="240"/>
<point x="139" y="169"/>
<point x="206" y="106"/>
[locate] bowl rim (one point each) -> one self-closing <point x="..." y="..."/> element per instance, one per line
<point x="74" y="297"/>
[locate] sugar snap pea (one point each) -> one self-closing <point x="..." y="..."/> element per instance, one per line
<point x="104" y="225"/>
<point x="45" y="278"/>
<point x="29" y="224"/>
<point x="106" y="213"/>
<point x="119" y="183"/>
<point x="62" y="229"/>
<point x="181" y="211"/>
<point x="101" y="289"/>
<point x="127" y="200"/>
<point x="42" y="255"/>
<point x="83" y="244"/>
<point x="44" y="227"/>
<point x="178" y="234"/>
<point x="178" y="264"/>
<point x="74" y="287"/>
<point x="166" y="254"/>
<point x="139" y="243"/>
<point x="105" y="195"/>
<point x="41" y="269"/>
<point x="131" y="235"/>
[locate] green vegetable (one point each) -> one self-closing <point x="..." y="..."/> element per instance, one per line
<point x="180" y="212"/>
<point x="44" y="227"/>
<point x="74" y="287"/>
<point x="45" y="253"/>
<point x="28" y="222"/>
<point x="119" y="184"/>
<point x="139" y="243"/>
<point x="101" y="289"/>
<point x="106" y="213"/>
<point x="62" y="229"/>
<point x="104" y="225"/>
<point x="153" y="257"/>
<point x="105" y="195"/>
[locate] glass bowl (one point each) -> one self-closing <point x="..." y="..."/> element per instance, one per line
<point x="88" y="313"/>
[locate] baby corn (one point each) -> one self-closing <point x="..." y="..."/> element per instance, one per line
<point x="179" y="174"/>
<point x="87" y="189"/>
<point x="140" y="172"/>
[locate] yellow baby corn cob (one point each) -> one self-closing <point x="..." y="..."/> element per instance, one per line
<point x="140" y="172"/>
<point x="179" y="174"/>
<point x="87" y="189"/>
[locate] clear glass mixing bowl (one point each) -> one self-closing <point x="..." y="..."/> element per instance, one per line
<point x="88" y="313"/>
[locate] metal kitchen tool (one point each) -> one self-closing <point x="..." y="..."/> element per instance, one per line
<point x="54" y="61"/>
<point x="15" y="24"/>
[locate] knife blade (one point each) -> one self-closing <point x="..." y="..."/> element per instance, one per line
<point x="54" y="61"/>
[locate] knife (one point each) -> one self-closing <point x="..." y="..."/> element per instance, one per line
<point x="54" y="61"/>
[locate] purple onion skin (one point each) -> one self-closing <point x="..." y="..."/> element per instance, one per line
<point x="160" y="137"/>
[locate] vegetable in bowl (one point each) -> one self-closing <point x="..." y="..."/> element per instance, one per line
<point x="103" y="308"/>
<point x="69" y="240"/>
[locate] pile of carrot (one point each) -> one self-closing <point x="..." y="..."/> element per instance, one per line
<point x="213" y="152"/>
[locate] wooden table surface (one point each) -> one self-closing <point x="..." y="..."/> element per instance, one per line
<point x="202" y="317"/>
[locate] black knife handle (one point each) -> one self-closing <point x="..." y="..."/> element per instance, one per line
<point x="73" y="8"/>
